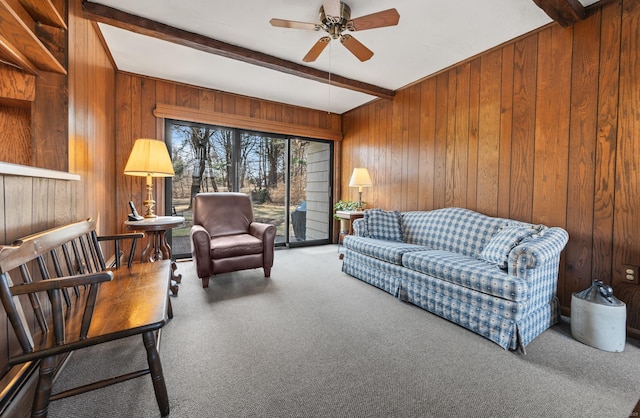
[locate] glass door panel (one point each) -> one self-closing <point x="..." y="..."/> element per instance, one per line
<point x="288" y="179"/>
<point x="262" y="175"/>
<point x="202" y="162"/>
<point x="310" y="190"/>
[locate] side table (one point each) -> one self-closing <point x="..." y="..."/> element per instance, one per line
<point x="157" y="247"/>
<point x="348" y="216"/>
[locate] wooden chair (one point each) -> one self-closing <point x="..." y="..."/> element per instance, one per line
<point x="106" y="304"/>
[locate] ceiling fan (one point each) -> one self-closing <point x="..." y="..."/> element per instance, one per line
<point x="335" y="18"/>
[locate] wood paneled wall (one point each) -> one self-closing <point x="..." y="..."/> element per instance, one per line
<point x="545" y="129"/>
<point x="81" y="139"/>
<point x="137" y="98"/>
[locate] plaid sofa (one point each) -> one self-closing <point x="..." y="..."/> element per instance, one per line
<point x="497" y="277"/>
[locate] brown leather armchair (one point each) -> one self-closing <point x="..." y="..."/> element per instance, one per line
<point x="225" y="238"/>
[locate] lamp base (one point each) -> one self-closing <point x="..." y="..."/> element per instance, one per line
<point x="149" y="203"/>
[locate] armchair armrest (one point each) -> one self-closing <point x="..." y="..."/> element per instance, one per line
<point x="201" y="250"/>
<point x="266" y="233"/>
<point x="261" y="230"/>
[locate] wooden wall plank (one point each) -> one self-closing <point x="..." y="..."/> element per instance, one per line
<point x="506" y="130"/>
<point x="607" y="133"/>
<point x="413" y="158"/>
<point x="15" y="135"/>
<point x="395" y="150"/>
<point x="523" y="134"/>
<point x="582" y="151"/>
<point x="489" y="133"/>
<point x="460" y="139"/>
<point x="427" y="152"/>
<point x="450" y="156"/>
<point x="474" y="122"/>
<point x="552" y="115"/>
<point x="627" y="199"/>
<point x="441" y="116"/>
<point x="16" y="85"/>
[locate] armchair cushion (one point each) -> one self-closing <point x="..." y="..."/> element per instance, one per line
<point x="235" y="245"/>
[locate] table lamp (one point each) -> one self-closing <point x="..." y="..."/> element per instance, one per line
<point x="360" y="178"/>
<point x="149" y="158"/>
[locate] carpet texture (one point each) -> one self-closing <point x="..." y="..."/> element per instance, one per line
<point x="314" y="342"/>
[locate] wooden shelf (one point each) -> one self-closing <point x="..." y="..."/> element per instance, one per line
<point x="45" y="12"/>
<point x="18" y="41"/>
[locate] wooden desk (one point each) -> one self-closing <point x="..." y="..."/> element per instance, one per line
<point x="157" y="246"/>
<point x="347" y="216"/>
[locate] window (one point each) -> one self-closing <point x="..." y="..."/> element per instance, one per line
<point x="288" y="178"/>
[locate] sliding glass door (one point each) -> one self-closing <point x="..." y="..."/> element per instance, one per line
<point x="289" y="179"/>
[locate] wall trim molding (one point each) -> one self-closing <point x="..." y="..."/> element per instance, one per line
<point x="27" y="171"/>
<point x="243" y="122"/>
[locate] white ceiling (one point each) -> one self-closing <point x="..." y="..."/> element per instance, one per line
<point x="431" y="35"/>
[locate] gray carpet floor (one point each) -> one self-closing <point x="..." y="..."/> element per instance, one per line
<point x="313" y="342"/>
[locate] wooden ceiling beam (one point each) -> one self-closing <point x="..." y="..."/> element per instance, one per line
<point x="114" y="17"/>
<point x="565" y="12"/>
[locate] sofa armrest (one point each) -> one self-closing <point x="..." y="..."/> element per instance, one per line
<point x="201" y="250"/>
<point x="359" y="227"/>
<point x="266" y="233"/>
<point x="538" y="250"/>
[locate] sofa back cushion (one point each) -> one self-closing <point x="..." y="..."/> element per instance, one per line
<point x="382" y="224"/>
<point x="457" y="230"/>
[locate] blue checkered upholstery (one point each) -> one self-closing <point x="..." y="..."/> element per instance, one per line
<point x="389" y="251"/>
<point x="359" y="227"/>
<point x="498" y="249"/>
<point x="456" y="230"/>
<point x="439" y="268"/>
<point x="468" y="272"/>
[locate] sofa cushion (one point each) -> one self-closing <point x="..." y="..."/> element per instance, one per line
<point x="468" y="272"/>
<point x="498" y="249"/>
<point x="382" y="224"/>
<point x="389" y="251"/>
<point x="457" y="230"/>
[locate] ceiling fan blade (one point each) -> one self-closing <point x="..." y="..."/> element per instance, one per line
<point x="331" y="7"/>
<point x="356" y="48"/>
<point x="389" y="17"/>
<point x="317" y="49"/>
<point x="283" y="23"/>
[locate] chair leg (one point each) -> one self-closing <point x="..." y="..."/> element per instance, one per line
<point x="40" y="406"/>
<point x="205" y="282"/>
<point x="267" y="271"/>
<point x="155" y="368"/>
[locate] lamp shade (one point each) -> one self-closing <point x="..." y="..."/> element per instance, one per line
<point x="149" y="157"/>
<point x="360" y="178"/>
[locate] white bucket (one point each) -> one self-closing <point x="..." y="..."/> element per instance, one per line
<point x="599" y="325"/>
